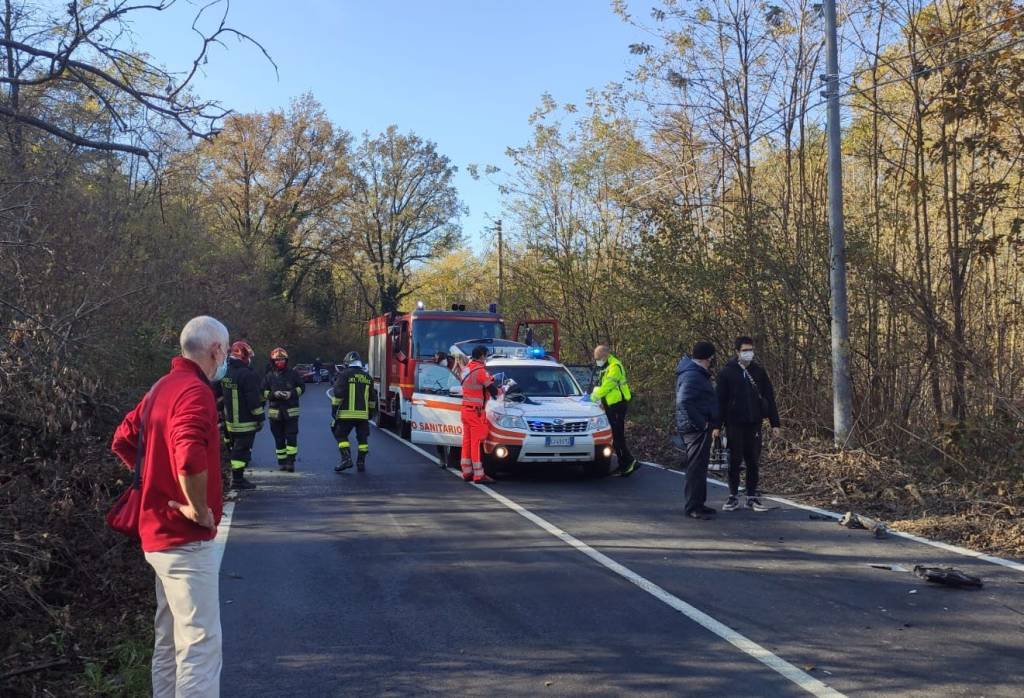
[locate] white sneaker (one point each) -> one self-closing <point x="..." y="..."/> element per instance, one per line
<point x="731" y="504"/>
<point x="754" y="503"/>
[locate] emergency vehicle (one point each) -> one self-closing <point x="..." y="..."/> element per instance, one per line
<point x="540" y="418"/>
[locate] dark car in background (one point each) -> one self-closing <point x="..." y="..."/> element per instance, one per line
<point x="305" y="372"/>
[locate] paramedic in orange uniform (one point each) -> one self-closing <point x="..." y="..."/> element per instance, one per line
<point x="477" y="384"/>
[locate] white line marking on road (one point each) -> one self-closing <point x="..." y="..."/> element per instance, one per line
<point x="741" y="642"/>
<point x="223" y="529"/>
<point x="966" y="552"/>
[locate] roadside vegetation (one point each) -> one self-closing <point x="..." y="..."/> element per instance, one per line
<point x="685" y="201"/>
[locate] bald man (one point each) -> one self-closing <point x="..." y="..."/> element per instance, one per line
<point x="613" y="392"/>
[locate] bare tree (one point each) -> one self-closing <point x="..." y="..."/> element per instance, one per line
<point x="402" y="211"/>
<point x="82" y="49"/>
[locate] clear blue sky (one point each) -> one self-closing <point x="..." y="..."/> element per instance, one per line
<point x="465" y="74"/>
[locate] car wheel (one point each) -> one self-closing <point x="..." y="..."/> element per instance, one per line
<point x="597" y="468"/>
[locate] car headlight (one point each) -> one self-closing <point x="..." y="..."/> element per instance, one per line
<point x="599" y="422"/>
<point x="511" y="421"/>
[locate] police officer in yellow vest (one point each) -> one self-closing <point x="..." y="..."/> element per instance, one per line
<point x="612" y="391"/>
<point x="353" y="398"/>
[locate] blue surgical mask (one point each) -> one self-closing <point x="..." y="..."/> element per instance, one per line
<point x="222" y="371"/>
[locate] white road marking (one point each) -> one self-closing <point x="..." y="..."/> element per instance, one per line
<point x="741" y="642"/>
<point x="221" y="541"/>
<point x="966" y="552"/>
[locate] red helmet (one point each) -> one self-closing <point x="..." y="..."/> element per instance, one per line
<point x="242" y="351"/>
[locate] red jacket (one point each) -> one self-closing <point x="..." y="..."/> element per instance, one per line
<point x="476" y="381"/>
<point x="181" y="438"/>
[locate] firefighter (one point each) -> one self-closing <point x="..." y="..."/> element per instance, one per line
<point x="352" y="399"/>
<point x="613" y="392"/>
<point x="282" y="388"/>
<point x="477" y="384"/>
<point x="241" y="405"/>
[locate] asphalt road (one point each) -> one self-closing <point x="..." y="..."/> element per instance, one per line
<point x="405" y="581"/>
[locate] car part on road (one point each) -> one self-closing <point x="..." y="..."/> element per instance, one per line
<point x="861" y="522"/>
<point x="948" y="576"/>
<point x="893" y="567"/>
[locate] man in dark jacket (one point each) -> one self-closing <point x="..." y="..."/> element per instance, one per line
<point x="697" y="421"/>
<point x="745" y="398"/>
<point x="353" y="399"/>
<point x="241" y="403"/>
<point x="282" y="388"/>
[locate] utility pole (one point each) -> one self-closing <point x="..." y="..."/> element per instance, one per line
<point x="842" y="394"/>
<point x="501" y="267"/>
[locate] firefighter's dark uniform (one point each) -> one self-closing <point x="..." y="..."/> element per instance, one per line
<point x="241" y="403"/>
<point x="352" y="399"/>
<point x="283" y="415"/>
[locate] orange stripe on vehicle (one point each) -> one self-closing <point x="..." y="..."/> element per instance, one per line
<point x="498" y="431"/>
<point x="437" y="405"/>
<point x="490" y="445"/>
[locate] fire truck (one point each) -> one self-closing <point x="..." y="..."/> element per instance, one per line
<point x="539" y="417"/>
<point x="401" y="342"/>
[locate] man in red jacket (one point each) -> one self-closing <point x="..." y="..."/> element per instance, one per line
<point x="181" y="508"/>
<point x="477" y="384"/>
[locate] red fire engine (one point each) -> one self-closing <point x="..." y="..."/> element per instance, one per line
<point x="401" y="341"/>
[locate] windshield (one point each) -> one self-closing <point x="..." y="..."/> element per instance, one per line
<point x="435" y="379"/>
<point x="432" y="336"/>
<point x="540" y="381"/>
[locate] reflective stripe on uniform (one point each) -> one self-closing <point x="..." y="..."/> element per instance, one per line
<point x="364" y="448"/>
<point x="293" y="411"/>
<point x="238" y="464"/>
<point x="343" y="444"/>
<point x="242" y="427"/>
<point x="292" y="450"/>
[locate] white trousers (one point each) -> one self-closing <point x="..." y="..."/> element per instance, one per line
<point x="187" y="655"/>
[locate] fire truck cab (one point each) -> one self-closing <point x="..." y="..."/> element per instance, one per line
<point x="399" y="342"/>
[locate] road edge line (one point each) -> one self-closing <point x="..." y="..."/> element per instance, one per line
<point x="788" y="671"/>
<point x="948" y="547"/>
<point x="220" y="542"/>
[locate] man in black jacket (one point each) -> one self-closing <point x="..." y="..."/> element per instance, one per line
<point x="241" y="404"/>
<point x="282" y="388"/>
<point x="697" y="421"/>
<point x="745" y="398"/>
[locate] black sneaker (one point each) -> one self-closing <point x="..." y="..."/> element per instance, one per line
<point x="707" y="511"/>
<point x="754" y="504"/>
<point x="629" y="469"/>
<point x="342" y="466"/>
<point x="242" y="484"/>
<point x="732" y="503"/>
<point x="698" y="515"/>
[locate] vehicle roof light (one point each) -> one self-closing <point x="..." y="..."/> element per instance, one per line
<point x="420" y="305"/>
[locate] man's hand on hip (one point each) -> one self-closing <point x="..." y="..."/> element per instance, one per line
<point x="204" y="518"/>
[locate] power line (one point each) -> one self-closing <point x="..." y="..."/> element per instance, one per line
<point x="930" y="47"/>
<point x="928" y="70"/>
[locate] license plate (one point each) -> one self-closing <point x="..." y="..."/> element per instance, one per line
<point x="560" y="440"/>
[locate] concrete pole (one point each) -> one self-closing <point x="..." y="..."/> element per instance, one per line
<point x="842" y="392"/>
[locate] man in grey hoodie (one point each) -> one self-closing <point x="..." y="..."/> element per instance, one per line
<point x="698" y="422"/>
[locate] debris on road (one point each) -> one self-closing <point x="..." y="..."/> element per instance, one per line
<point x="894" y="567"/>
<point x="859" y="521"/>
<point x="948" y="576"/>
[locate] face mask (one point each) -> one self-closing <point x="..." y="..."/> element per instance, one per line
<point x="222" y="371"/>
<point x="601" y="362"/>
<point x="747" y="356"/>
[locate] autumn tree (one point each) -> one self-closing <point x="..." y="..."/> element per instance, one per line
<point x="402" y="209"/>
